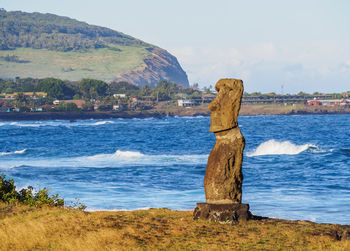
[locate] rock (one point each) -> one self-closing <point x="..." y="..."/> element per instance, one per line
<point x="345" y="236"/>
<point x="158" y="65"/>
<point x="223" y="176"/>
<point x="224" y="213"/>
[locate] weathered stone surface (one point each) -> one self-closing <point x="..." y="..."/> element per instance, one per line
<point x="223" y="177"/>
<point x="222" y="212"/>
<point x="225" y="107"/>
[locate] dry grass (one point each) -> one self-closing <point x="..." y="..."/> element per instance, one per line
<point x="25" y="228"/>
<point x="171" y="108"/>
<point x="276" y="109"/>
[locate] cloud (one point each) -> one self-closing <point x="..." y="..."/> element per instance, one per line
<point x="267" y="66"/>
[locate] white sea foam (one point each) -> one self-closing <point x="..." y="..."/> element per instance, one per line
<point x="127" y="158"/>
<point x="20" y="151"/>
<point x="116" y="159"/>
<point x="127" y="154"/>
<point x="273" y="147"/>
<point x="121" y="155"/>
<point x="27" y="125"/>
<point x="15" y="152"/>
<point x="66" y="123"/>
<point x="103" y="122"/>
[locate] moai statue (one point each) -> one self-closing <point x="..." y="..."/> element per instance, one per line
<point x="223" y="177"/>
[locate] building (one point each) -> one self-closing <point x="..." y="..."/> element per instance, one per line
<point x="134" y="99"/>
<point x="185" y="102"/>
<point x="314" y="102"/>
<point x="33" y="95"/>
<point x="329" y="102"/>
<point x="78" y="102"/>
<point x="119" y="95"/>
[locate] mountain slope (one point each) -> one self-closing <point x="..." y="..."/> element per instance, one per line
<point x="46" y="45"/>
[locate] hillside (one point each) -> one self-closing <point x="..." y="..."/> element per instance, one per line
<point x="45" y="45"/>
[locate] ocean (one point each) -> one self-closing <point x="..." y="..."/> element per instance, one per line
<point x="295" y="167"/>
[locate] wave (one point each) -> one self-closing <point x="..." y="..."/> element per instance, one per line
<point x="116" y="159"/>
<point x="65" y="123"/>
<point x="25" y="124"/>
<point x="131" y="158"/>
<point x="117" y="155"/>
<point x="103" y="122"/>
<point x="15" y="152"/>
<point x="273" y="147"/>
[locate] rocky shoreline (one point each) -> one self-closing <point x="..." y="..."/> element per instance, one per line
<point x="245" y="111"/>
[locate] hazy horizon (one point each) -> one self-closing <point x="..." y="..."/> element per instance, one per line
<point x="303" y="46"/>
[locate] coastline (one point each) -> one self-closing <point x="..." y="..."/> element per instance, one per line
<point x="246" y="110"/>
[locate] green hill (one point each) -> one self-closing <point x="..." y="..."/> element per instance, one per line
<point x="45" y="45"/>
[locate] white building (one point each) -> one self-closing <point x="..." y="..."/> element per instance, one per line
<point x="119" y="95"/>
<point x="185" y="102"/>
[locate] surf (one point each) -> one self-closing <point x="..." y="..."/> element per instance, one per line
<point x="273" y="147"/>
<point x="15" y="152"/>
<point x="118" y="159"/>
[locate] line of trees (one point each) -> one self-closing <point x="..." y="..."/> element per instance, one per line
<point x="39" y="31"/>
<point x="94" y="89"/>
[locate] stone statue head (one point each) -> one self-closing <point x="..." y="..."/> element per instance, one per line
<point x="225" y="107"/>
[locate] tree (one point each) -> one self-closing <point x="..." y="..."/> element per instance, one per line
<point x="67" y="107"/>
<point x="146" y="91"/>
<point x="166" y="90"/>
<point x="88" y="106"/>
<point x="55" y="88"/>
<point x="303" y="94"/>
<point x="21" y="100"/>
<point x="92" y="88"/>
<point x="124" y="88"/>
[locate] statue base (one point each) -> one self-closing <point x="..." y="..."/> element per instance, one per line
<point x="232" y="212"/>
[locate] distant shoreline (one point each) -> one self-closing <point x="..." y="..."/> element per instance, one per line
<point x="246" y="110"/>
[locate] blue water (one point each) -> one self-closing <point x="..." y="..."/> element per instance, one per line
<point x="295" y="167"/>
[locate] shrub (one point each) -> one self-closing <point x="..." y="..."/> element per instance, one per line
<point x="9" y="194"/>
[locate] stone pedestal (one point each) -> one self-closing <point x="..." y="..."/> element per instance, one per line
<point x="222" y="212"/>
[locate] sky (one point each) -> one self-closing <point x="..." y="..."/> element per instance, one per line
<point x="302" y="45"/>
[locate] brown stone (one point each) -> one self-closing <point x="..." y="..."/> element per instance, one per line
<point x="223" y="177"/>
<point x="225" y="107"/>
<point x="222" y="212"/>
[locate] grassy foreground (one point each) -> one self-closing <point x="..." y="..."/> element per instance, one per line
<point x="53" y="228"/>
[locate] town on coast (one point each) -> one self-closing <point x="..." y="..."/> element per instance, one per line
<point x="32" y="99"/>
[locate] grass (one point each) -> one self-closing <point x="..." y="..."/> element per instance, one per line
<point x="276" y="109"/>
<point x="48" y="228"/>
<point x="171" y="108"/>
<point x="104" y="64"/>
